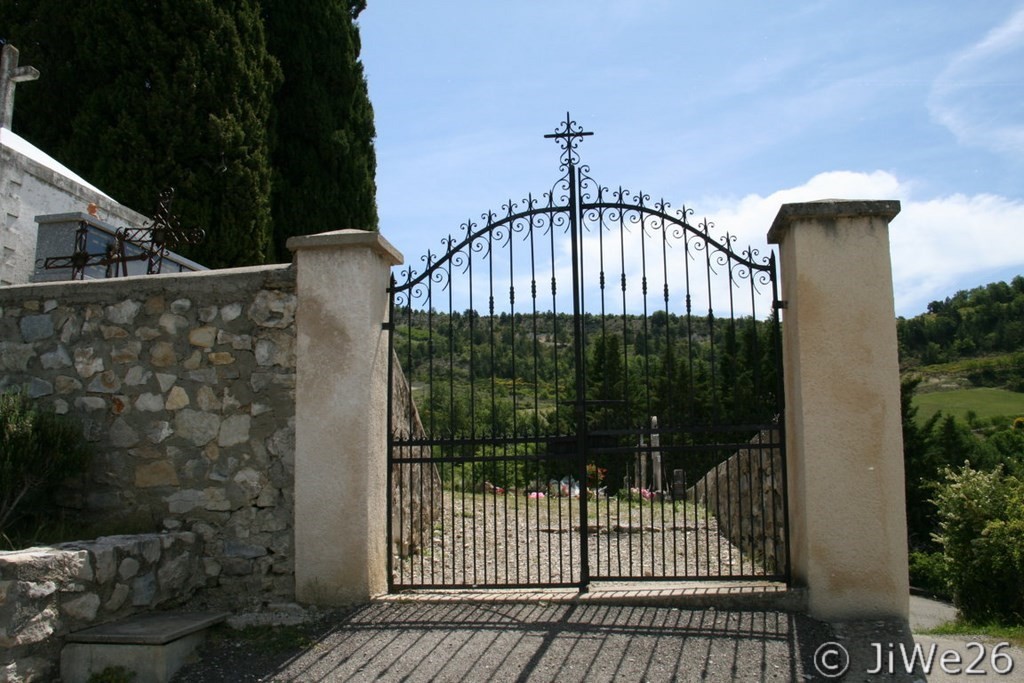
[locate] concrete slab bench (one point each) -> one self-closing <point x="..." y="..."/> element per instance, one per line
<point x="153" y="646"/>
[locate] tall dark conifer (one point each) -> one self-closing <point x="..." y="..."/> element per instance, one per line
<point x="324" y="161"/>
<point x="141" y="96"/>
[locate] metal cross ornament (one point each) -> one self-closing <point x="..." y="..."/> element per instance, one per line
<point x="80" y="258"/>
<point x="156" y="238"/>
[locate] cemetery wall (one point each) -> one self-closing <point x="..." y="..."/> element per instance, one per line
<point x="185" y="386"/>
<point x="746" y="495"/>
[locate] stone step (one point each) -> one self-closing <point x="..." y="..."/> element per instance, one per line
<point x="153" y="646"/>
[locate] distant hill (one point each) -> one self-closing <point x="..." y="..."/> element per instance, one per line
<point x="973" y="338"/>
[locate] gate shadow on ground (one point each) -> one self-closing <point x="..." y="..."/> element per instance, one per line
<point x="534" y="642"/>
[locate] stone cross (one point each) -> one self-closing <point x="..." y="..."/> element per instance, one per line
<point x="656" y="454"/>
<point x="10" y="75"/>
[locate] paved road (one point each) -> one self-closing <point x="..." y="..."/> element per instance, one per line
<point x="559" y="641"/>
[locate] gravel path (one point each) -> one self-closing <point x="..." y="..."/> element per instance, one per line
<point x="490" y="539"/>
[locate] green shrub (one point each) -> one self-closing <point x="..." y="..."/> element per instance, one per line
<point x="113" y="674"/>
<point x="928" y="572"/>
<point x="38" y="450"/>
<point x="981" y="522"/>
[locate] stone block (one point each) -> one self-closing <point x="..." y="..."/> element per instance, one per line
<point x="184" y="501"/>
<point x="207" y="400"/>
<point x="154" y="646"/>
<point x="123" y="313"/>
<point x="122" y="435"/>
<point x="56" y="359"/>
<point x="126" y="353"/>
<point x="66" y="385"/>
<point x="273" y="309"/>
<point x="137" y="375"/>
<point x="82" y="608"/>
<point x="181" y="306"/>
<point x="162" y="354"/>
<point x="153" y="474"/>
<point x="233" y="548"/>
<point x="118" y="597"/>
<point x="144" y="590"/>
<point x="230" y="312"/>
<point x="128" y="568"/>
<point x="39" y="387"/>
<point x="204" y="337"/>
<point x="87" y="363"/>
<point x="174" y="575"/>
<point x="220" y="358"/>
<point x="14" y="356"/>
<point x="177" y="399"/>
<point x="113" y="332"/>
<point x="200" y="428"/>
<point x="234" y="430"/>
<point x="173" y="324"/>
<point x="159" y="431"/>
<point x="36" y="327"/>
<point x="105" y="382"/>
<point x="149" y="402"/>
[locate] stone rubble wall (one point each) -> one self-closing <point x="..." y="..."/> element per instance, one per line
<point x="745" y="494"/>
<point x="46" y="593"/>
<point x="415" y="487"/>
<point x="185" y="385"/>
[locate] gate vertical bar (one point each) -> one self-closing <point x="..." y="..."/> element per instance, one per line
<point x="581" y="384"/>
<point x="780" y="401"/>
<point x="389" y="325"/>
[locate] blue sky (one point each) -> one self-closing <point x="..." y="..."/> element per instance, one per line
<point x="731" y="108"/>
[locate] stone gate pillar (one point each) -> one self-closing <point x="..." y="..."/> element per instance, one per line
<point x="341" y="415"/>
<point x="843" y="429"/>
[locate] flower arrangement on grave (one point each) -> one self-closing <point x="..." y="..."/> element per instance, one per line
<point x="595" y="475"/>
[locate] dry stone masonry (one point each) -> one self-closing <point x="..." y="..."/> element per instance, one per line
<point x="746" y="495"/>
<point x="46" y="593"/>
<point x="185" y="385"/>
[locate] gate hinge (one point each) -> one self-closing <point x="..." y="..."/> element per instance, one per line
<point x="386" y="326"/>
<point x="780" y="304"/>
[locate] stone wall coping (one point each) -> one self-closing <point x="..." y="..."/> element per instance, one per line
<point x="346" y="239"/>
<point x="219" y="280"/>
<point x="830" y="209"/>
<point x="155" y="628"/>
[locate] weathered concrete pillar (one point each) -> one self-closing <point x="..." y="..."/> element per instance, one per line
<point x="848" y="529"/>
<point x="341" y="415"/>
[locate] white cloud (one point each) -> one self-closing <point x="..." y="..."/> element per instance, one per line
<point x="977" y="96"/>
<point x="939" y="244"/>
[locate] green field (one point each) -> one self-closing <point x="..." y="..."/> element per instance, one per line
<point x="986" y="403"/>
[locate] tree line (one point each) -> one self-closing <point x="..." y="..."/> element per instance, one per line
<point x="981" y="321"/>
<point x="965" y="475"/>
<point x="255" y="111"/>
<point x="480" y="380"/>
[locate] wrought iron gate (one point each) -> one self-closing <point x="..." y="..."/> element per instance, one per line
<point x="594" y="392"/>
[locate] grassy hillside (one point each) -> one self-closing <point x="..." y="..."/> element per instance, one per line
<point x="985" y="402"/>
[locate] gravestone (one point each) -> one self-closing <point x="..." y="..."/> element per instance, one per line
<point x="678" y="484"/>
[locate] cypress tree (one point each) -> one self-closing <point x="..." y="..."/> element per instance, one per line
<point x="138" y="97"/>
<point x="324" y="161"/>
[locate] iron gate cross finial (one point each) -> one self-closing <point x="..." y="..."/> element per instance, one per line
<point x="566" y="136"/>
<point x="568" y="133"/>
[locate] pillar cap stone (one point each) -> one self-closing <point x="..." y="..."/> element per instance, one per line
<point x="346" y="239"/>
<point x="825" y="209"/>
